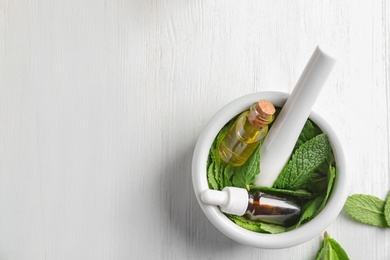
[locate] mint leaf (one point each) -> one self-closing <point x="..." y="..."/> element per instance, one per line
<point x="246" y="173"/>
<point x="214" y="169"/>
<point x="250" y="225"/>
<point x="331" y="176"/>
<point x="366" y="209"/>
<point x="309" y="210"/>
<point x="213" y="184"/>
<point x="387" y="209"/>
<point x="215" y="166"/>
<point x="317" y="183"/>
<point x="309" y="131"/>
<point x="303" y="194"/>
<point x="257" y="226"/>
<point x="272" y="228"/>
<point x="323" y="249"/>
<point x="319" y="180"/>
<point x="227" y="176"/>
<point x="323" y="168"/>
<point x="314" y="206"/>
<point x="305" y="160"/>
<point x="335" y="251"/>
<point x="331" y="249"/>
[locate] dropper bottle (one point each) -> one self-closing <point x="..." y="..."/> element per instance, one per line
<point x="246" y="133"/>
<point x="254" y="205"/>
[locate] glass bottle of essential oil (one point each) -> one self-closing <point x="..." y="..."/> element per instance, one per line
<point x="246" y="133"/>
<point x="254" y="205"/>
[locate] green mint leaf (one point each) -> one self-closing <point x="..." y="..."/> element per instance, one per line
<point x="335" y="251"/>
<point x="256" y="226"/>
<point x="308" y="132"/>
<point x="331" y="250"/>
<point x="331" y="158"/>
<point x="366" y="209"/>
<point x="227" y="176"/>
<point x="387" y="209"/>
<point x="313" y="207"/>
<point x="305" y="160"/>
<point x="323" y="249"/>
<point x="213" y="184"/>
<point x="309" y="210"/>
<point x="215" y="166"/>
<point x="323" y="168"/>
<point x="302" y="194"/>
<point x="212" y="171"/>
<point x="245" y="174"/>
<point x="272" y="228"/>
<point x="317" y="183"/>
<point x="219" y="168"/>
<point x="331" y="176"/>
<point x="221" y="135"/>
<point x="215" y="169"/>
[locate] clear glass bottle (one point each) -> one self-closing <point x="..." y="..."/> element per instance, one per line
<point x="246" y="133"/>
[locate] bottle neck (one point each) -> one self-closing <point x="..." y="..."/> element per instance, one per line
<point x="257" y="119"/>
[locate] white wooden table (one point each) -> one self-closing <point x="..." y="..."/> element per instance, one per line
<point x="101" y="103"/>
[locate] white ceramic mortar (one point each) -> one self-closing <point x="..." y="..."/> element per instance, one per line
<point x="303" y="233"/>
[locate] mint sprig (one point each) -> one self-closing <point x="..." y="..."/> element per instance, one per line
<point x="331" y="250"/>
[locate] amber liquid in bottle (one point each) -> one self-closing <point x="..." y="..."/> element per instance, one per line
<point x="245" y="135"/>
<point x="270" y="209"/>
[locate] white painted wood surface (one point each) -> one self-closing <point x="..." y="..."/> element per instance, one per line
<point x="101" y="103"/>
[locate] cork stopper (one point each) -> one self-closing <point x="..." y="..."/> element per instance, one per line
<point x="265" y="109"/>
<point x="263" y="114"/>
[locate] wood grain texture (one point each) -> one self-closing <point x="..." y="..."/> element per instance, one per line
<point x="101" y="103"/>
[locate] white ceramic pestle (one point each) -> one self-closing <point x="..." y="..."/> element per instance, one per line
<point x="280" y="141"/>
